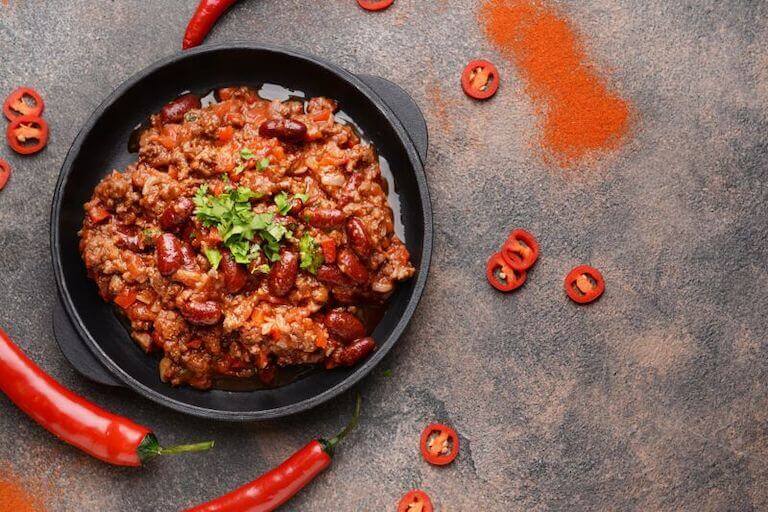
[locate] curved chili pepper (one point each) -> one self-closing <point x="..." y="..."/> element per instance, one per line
<point x="15" y="106"/>
<point x="206" y="15"/>
<point x="5" y="173"/>
<point x="439" y="444"/>
<point x="75" y="420"/>
<point x="277" y="486"/>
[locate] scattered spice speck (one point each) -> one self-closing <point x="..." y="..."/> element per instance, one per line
<point x="15" y="494"/>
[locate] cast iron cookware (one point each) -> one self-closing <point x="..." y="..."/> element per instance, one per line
<point x="89" y="331"/>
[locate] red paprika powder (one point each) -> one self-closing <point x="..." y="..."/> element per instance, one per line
<point x="581" y="116"/>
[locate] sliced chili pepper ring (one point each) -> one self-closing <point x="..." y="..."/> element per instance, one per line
<point x="415" y="501"/>
<point x="439" y="444"/>
<point x="5" y="173"/>
<point x="375" y="5"/>
<point x="16" y="106"/>
<point x="480" y="79"/>
<point x="584" y="284"/>
<point x="521" y="250"/>
<point x="26" y="128"/>
<point x="503" y="277"/>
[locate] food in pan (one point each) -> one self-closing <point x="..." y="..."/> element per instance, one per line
<point x="250" y="235"/>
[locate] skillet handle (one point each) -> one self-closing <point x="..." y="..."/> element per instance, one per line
<point x="75" y="351"/>
<point x="405" y="108"/>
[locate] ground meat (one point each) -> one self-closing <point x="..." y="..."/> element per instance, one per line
<point x="149" y="252"/>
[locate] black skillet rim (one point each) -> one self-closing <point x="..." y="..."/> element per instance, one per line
<point x="363" y="369"/>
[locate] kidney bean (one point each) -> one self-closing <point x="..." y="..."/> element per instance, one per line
<point x="344" y="325"/>
<point x="188" y="258"/>
<point x="128" y="237"/>
<point x="354" y="353"/>
<point x="286" y="130"/>
<point x="323" y="218"/>
<point x="283" y="274"/>
<point x="328" y="274"/>
<point x="176" y="214"/>
<point x="169" y="254"/>
<point x="351" y="265"/>
<point x="235" y="276"/>
<point x="173" y="111"/>
<point x="357" y="237"/>
<point x="202" y="313"/>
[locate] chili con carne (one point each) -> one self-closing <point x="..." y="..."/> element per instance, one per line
<point x="26" y="128"/>
<point x="480" y="79"/>
<point x="375" y="5"/>
<point x="584" y="284"/>
<point x="415" y="501"/>
<point x="206" y="15"/>
<point x="501" y="276"/>
<point x="75" y="420"/>
<point x="439" y="444"/>
<point x="5" y="173"/>
<point x="16" y="106"/>
<point x="277" y="486"/>
<point x="521" y="250"/>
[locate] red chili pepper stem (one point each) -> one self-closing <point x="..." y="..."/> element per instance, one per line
<point x="150" y="448"/>
<point x="329" y="445"/>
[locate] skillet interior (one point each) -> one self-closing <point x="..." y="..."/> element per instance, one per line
<point x="102" y="146"/>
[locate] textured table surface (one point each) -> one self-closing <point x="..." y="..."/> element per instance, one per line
<point x="654" y="398"/>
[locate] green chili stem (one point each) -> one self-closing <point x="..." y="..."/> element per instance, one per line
<point x="330" y="444"/>
<point x="186" y="448"/>
<point x="150" y="448"/>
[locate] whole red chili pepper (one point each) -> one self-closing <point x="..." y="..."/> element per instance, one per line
<point x="71" y="418"/>
<point x="206" y="15"/>
<point x="277" y="486"/>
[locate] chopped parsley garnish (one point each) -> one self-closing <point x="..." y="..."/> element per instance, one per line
<point x="232" y="215"/>
<point x="311" y="255"/>
<point x="245" y="155"/>
<point x="150" y="234"/>
<point x="214" y="256"/>
<point x="263" y="268"/>
<point x="284" y="203"/>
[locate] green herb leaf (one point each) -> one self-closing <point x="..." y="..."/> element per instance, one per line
<point x="213" y="255"/>
<point x="240" y="168"/>
<point x="240" y="228"/>
<point x="263" y="163"/>
<point x="246" y="154"/>
<point x="283" y="203"/>
<point x="263" y="269"/>
<point x="311" y="255"/>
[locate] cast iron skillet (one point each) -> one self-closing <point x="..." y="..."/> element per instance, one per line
<point x="385" y="113"/>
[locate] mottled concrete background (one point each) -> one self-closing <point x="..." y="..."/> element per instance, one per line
<point x="652" y="399"/>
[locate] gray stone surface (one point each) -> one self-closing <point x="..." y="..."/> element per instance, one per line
<point x="652" y="399"/>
